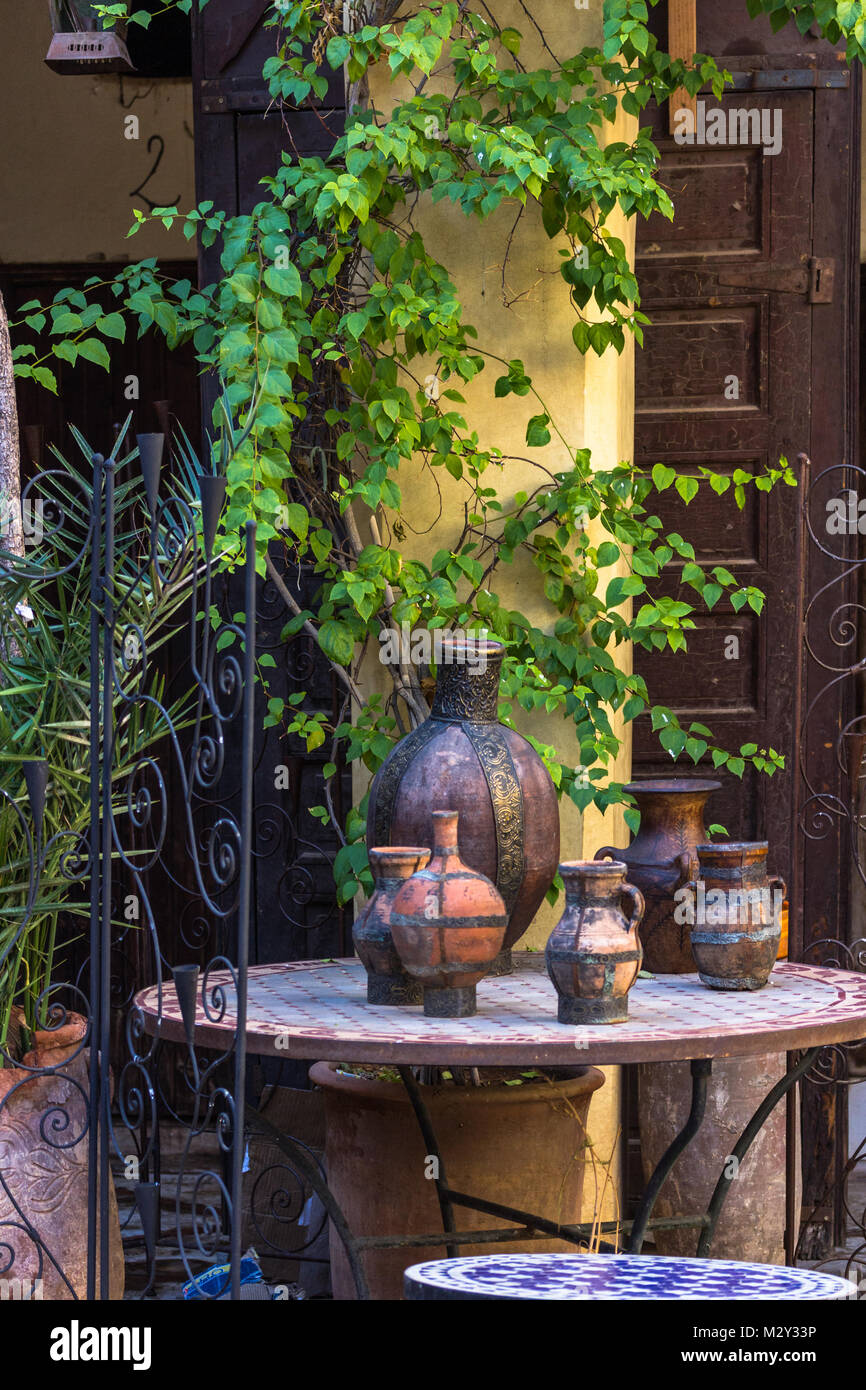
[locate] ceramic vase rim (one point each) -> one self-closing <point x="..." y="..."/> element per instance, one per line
<point x="593" y="867"/>
<point x="686" y="786"/>
<point x="733" y="846"/>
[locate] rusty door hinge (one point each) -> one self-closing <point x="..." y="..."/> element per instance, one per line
<point x="814" y="278"/>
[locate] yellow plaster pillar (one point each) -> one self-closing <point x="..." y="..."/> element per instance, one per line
<point x="517" y="300"/>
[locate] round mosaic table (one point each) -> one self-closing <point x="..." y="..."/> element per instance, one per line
<point x="319" y="1010"/>
<point x="576" y="1278"/>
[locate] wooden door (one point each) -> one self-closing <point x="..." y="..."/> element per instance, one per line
<point x="724" y="381"/>
<point x="240" y="136"/>
<point x="756" y="281"/>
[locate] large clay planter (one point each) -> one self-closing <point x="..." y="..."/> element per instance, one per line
<point x="737" y="929"/>
<point x="593" y="954"/>
<point x="447" y="923"/>
<point x="461" y="759"/>
<point x="661" y="859"/>
<point x="752" y="1224"/>
<point x="387" y="980"/>
<point x="523" y="1146"/>
<point x="44" y="1145"/>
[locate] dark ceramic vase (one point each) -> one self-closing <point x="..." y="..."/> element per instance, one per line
<point x="737" y="915"/>
<point x="387" y="981"/>
<point x="661" y="859"/>
<point x="461" y="759"/>
<point x="448" y="923"/>
<point x="594" y="953"/>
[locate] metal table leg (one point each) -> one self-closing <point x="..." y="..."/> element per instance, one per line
<point x="425" y="1124"/>
<point x="701" y="1070"/>
<point x="309" y="1170"/>
<point x="744" y="1143"/>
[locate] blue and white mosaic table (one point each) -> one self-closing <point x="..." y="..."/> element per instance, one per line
<point x="576" y="1278"/>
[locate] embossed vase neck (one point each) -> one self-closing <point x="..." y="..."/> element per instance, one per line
<point x="467" y="682"/>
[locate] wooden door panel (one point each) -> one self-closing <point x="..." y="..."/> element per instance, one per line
<point x="728" y="180"/>
<point x="691" y="351"/>
<point x="724" y="381"/>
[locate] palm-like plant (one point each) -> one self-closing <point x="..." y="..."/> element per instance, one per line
<point x="46" y="684"/>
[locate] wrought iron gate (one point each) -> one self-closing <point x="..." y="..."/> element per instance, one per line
<point x="832" y="845"/>
<point x="156" y="772"/>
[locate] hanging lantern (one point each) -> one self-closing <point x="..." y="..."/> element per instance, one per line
<point x="80" y="46"/>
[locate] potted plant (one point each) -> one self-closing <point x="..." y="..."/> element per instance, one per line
<point x="515" y="1137"/>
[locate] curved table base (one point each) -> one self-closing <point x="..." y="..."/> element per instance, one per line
<point x="529" y="1225"/>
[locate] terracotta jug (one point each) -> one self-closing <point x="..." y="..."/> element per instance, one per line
<point x="662" y="858"/>
<point x="461" y="759"/>
<point x="594" y="953"/>
<point x="448" y="924"/>
<point x="387" y="980"/>
<point x="734" y="911"/>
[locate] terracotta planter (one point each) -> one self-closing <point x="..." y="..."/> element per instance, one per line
<point x="448" y="923"/>
<point x="661" y="859"/>
<point x="462" y="759"/>
<point x="44" y="1146"/>
<point x="594" y="954"/>
<point x="752" y="1224"/>
<point x="737" y="911"/>
<point x="387" y="979"/>
<point x="519" y="1145"/>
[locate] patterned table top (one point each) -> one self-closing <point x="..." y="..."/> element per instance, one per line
<point x="318" y="1009"/>
<point x="582" y="1277"/>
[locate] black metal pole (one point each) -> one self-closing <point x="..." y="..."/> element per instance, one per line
<point x="425" y="1124"/>
<point x="104" y="1116"/>
<point x="244" y="900"/>
<point x="95" y="875"/>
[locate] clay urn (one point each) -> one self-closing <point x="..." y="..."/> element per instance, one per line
<point x="387" y="980"/>
<point x="661" y="859"/>
<point x="734" y="912"/>
<point x="448" y="923"/>
<point x="594" y="953"/>
<point x="462" y="759"/>
<point x="45" y="1131"/>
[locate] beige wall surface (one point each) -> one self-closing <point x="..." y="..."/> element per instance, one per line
<point x="591" y="400"/>
<point x="67" y="169"/>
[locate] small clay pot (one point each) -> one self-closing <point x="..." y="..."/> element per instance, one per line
<point x="594" y="953"/>
<point x="387" y="981"/>
<point x="448" y="924"/>
<point x="735" y="916"/>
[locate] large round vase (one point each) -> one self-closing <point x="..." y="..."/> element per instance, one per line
<point x="461" y="759"/>
<point x="44" y="1159"/>
<point x="662" y="858"/>
<point x="523" y="1146"/>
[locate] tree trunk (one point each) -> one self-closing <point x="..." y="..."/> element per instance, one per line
<point x="11" y="530"/>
